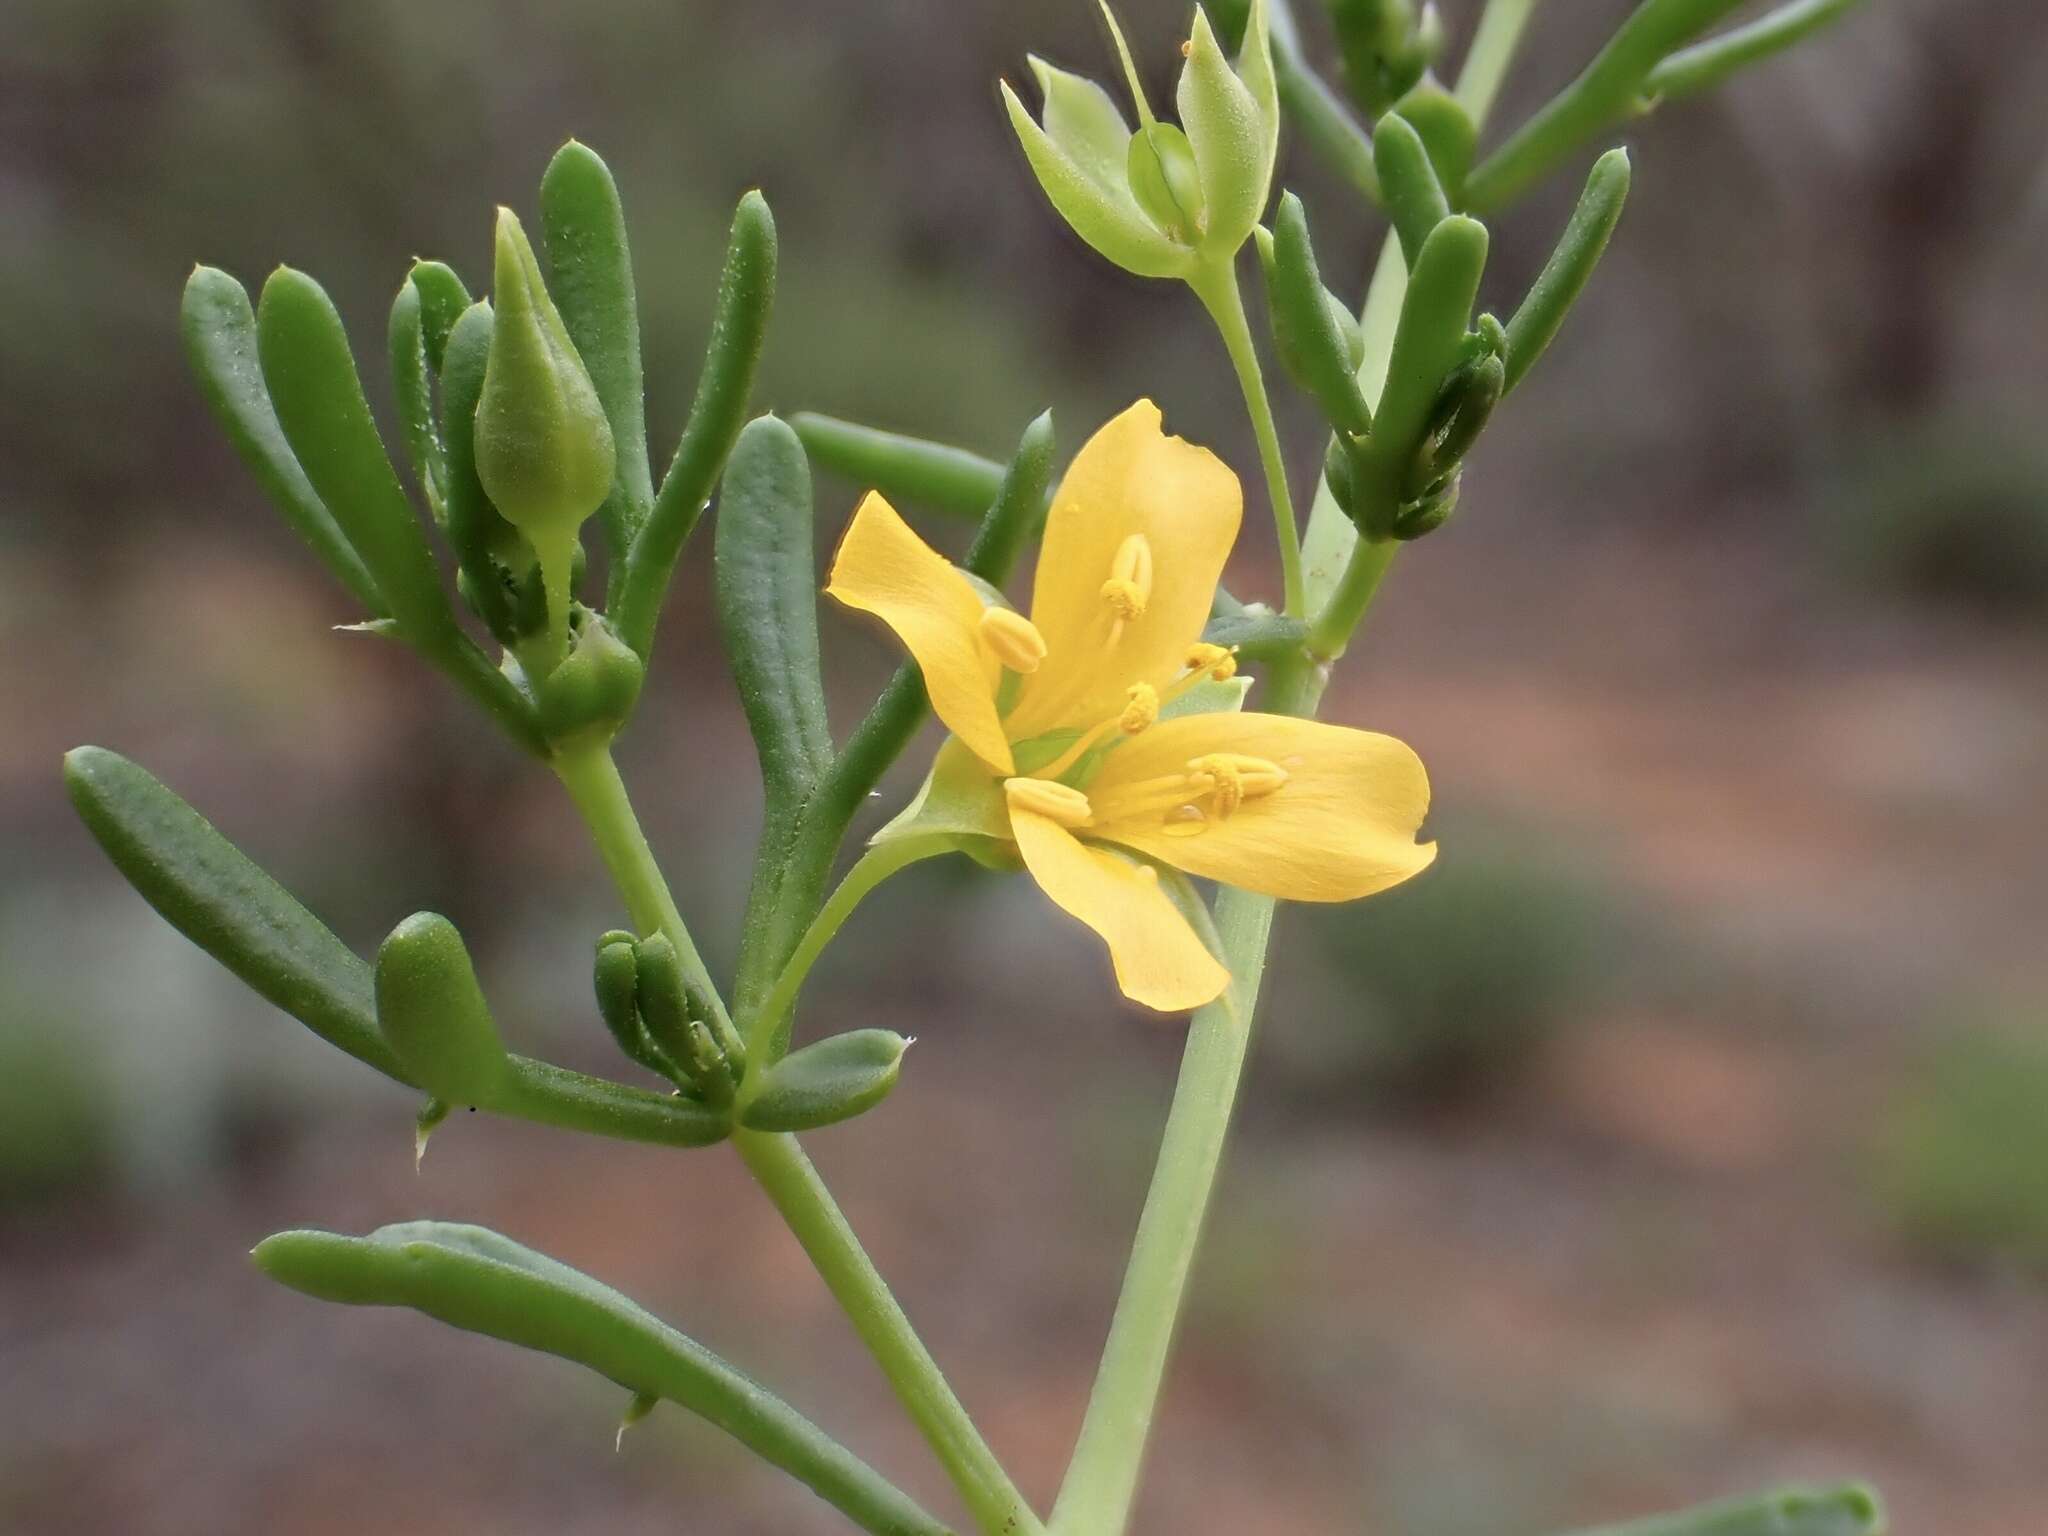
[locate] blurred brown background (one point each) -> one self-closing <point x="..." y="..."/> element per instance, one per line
<point x="1686" y="1129"/>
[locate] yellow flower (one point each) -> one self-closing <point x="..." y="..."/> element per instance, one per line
<point x="1066" y="739"/>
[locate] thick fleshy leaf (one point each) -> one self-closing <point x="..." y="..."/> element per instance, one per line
<point x="432" y="1012"/>
<point x="219" y="328"/>
<point x="1225" y="124"/>
<point x="739" y="327"/>
<point x="767" y="588"/>
<point x="413" y="386"/>
<point x="1130" y="480"/>
<point x="590" y="275"/>
<point x="832" y="1080"/>
<point x="1109" y="220"/>
<point x="884" y="568"/>
<point x="473" y="1279"/>
<point x="1341" y="826"/>
<point x="1160" y="960"/>
<point x="1570" y="267"/>
<point x="313" y="384"/>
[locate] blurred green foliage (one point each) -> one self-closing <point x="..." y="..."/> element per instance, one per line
<point x="1961" y="1166"/>
<point x="1445" y="986"/>
<point x="56" y="1127"/>
<point x="1951" y="512"/>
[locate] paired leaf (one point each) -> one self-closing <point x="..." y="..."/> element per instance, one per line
<point x="822" y="1084"/>
<point x="217" y="897"/>
<point x="746" y="293"/>
<point x="480" y="1282"/>
<point x="318" y="397"/>
<point x="220" y="346"/>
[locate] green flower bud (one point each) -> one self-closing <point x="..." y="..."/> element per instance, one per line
<point x="593" y="691"/>
<point x="1461" y="414"/>
<point x="676" y="1028"/>
<point x="544" y="449"/>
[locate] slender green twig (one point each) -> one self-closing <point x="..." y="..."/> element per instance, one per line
<point x="1216" y="286"/>
<point x="1102" y="1479"/>
<point x="1708" y="63"/>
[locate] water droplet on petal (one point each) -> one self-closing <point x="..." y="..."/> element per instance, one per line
<point x="1186" y="820"/>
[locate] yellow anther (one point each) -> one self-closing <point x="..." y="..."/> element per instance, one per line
<point x="1219" y="661"/>
<point x="1237" y="777"/>
<point x="1141" y="709"/>
<point x="1055" y="802"/>
<point x="1012" y="639"/>
<point x="1129" y="587"/>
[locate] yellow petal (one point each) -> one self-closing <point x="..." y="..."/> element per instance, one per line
<point x="1341" y="826"/>
<point x="1184" y="504"/>
<point x="1160" y="961"/>
<point x="884" y="568"/>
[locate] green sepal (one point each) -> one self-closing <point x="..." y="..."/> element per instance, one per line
<point x="480" y="1282"/>
<point x="1257" y="634"/>
<point x="219" y="329"/>
<point x="413" y="386"/>
<point x="591" y="695"/>
<point x="1084" y="123"/>
<point x="1103" y="213"/>
<point x="960" y="797"/>
<point x="1232" y="127"/>
<point x="1570" y="267"/>
<point x="1211" y="696"/>
<point x="1312" y="345"/>
<point x="1409" y="188"/>
<point x="590" y="275"/>
<point x="906" y="470"/>
<point x="824" y="1083"/>
<point x="489" y="551"/>
<point x="432" y="1013"/>
<point x="739" y="326"/>
<point x="319" y="400"/>
<point x="211" y="892"/>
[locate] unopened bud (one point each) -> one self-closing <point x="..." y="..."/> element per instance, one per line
<point x="543" y="446"/>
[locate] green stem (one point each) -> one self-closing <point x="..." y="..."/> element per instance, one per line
<point x="1356" y="589"/>
<point x="768" y="1026"/>
<point x="1216" y="286"/>
<point x="1102" y="1480"/>
<point x="1493" y="49"/>
<point x="778" y="1163"/>
<point x="593" y="782"/>
<point x="783" y="1171"/>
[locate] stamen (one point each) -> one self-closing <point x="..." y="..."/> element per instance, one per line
<point x="1056" y="802"/>
<point x="1129" y="587"/>
<point x="1011" y="639"/>
<point x="1239" y="777"/>
<point x="1140" y="710"/>
<point x="1218" y="661"/>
